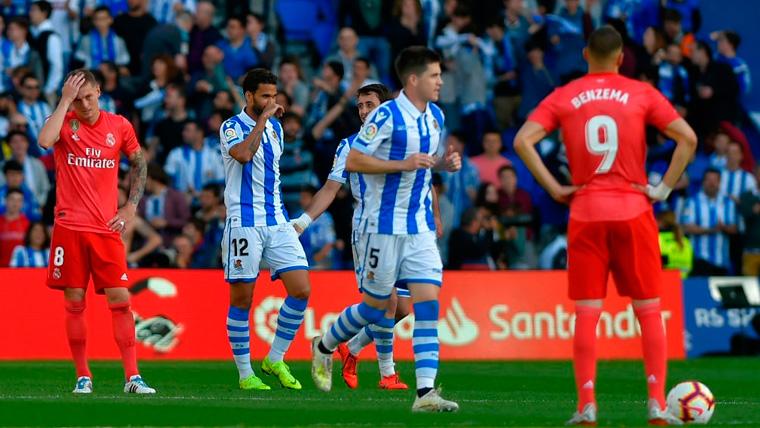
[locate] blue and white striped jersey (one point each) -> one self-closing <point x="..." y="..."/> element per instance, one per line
<point x="193" y="169"/>
<point x="356" y="180"/>
<point x="252" y="190"/>
<point x="704" y="212"/>
<point x="399" y="203"/>
<point x="735" y="183"/>
<point x="29" y="257"/>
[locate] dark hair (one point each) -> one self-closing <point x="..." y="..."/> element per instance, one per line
<point x="13" y="191"/>
<point x="256" y="77"/>
<point x="28" y="76"/>
<point x="496" y="22"/>
<point x="462" y="11"/>
<point x="365" y="60"/>
<point x="101" y="9"/>
<point x="382" y="92"/>
<point x="702" y="45"/>
<point x="671" y="15"/>
<point x="179" y="88"/>
<point x="157" y="173"/>
<point x="239" y="18"/>
<point x="733" y="38"/>
<point x="16" y="133"/>
<point x="294" y="61"/>
<point x="12" y="165"/>
<point x="507" y="168"/>
<point x="532" y="43"/>
<point x="89" y="77"/>
<point x="414" y="60"/>
<point x="111" y="65"/>
<point x="44" y="6"/>
<point x="195" y="123"/>
<point x="288" y="98"/>
<point x="459" y="135"/>
<point x="337" y="68"/>
<point x="258" y="17"/>
<point x="604" y="41"/>
<point x="289" y="115"/>
<point x="213" y="188"/>
<point x="20" y="21"/>
<point x="469" y="215"/>
<point x="712" y="171"/>
<point x="309" y="189"/>
<point x="28" y="234"/>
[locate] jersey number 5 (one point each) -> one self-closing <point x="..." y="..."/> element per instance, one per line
<point x="602" y="140"/>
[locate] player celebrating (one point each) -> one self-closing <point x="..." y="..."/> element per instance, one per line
<point x="602" y="117"/>
<point x="397" y="240"/>
<point x="369" y="98"/>
<point x="257" y="227"/>
<point x="88" y="143"/>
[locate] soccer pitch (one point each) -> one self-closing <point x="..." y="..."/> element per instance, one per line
<point x="489" y="393"/>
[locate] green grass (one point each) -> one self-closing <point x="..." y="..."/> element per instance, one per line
<point x="489" y="394"/>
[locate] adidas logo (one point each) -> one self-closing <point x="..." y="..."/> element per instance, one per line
<point x="124" y="277"/>
<point x="588" y="385"/>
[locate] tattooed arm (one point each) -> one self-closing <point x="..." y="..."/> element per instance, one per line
<point x="138" y="172"/>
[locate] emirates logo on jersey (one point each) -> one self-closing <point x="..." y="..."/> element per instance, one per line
<point x="91" y="160"/>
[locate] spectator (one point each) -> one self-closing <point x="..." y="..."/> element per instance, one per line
<point x="239" y="54"/>
<point x="207" y="81"/>
<point x="406" y="28"/>
<point x="719" y="156"/>
<point x="674" y="33"/>
<point x="264" y="45"/>
<point x="202" y="35"/>
<point x="170" y="39"/>
<point x="48" y="43"/>
<point x="13" y="225"/>
<point x="367" y="19"/>
<point x="168" y="131"/>
<point x="17" y="52"/>
<point x="35" y="251"/>
<point x="184" y="252"/>
<point x="676" y="249"/>
<point x="194" y="165"/>
<point x="213" y="124"/>
<point x="164" y="71"/>
<point x="717" y="92"/>
<point x="211" y="214"/>
<point x="537" y="81"/>
<point x="673" y="80"/>
<point x="567" y="33"/>
<point x="749" y="207"/>
<point x="210" y="208"/>
<point x="291" y="82"/>
<point x="102" y="43"/>
<point x="31" y="107"/>
<point x="14" y="180"/>
<point x="461" y="187"/>
<point x="652" y="51"/>
<point x="133" y="27"/>
<point x="501" y="71"/>
<point x="163" y="207"/>
<point x="728" y="43"/>
<point x="319" y="239"/>
<point x="709" y="219"/>
<point x="489" y="163"/>
<point x="470" y="245"/>
<point x="734" y="181"/>
<point x="165" y="11"/>
<point x="347" y="53"/>
<point x="296" y="163"/>
<point x="35" y="176"/>
<point x="513" y="201"/>
<point x="691" y="19"/>
<point x="516" y="24"/>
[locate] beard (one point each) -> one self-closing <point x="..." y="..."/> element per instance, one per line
<point x="257" y="110"/>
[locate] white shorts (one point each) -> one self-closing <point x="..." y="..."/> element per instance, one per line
<point x="358" y="257"/>
<point x="243" y="249"/>
<point x="385" y="261"/>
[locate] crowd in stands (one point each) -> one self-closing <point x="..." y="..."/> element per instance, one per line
<point x="173" y="68"/>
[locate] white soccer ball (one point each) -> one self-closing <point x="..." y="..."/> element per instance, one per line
<point x="691" y="402"/>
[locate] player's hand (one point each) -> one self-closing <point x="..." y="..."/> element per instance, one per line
<point x="563" y="194"/>
<point x="273" y="109"/>
<point x="453" y="161"/>
<point x="418" y="161"/>
<point x="656" y="193"/>
<point x="301" y="223"/>
<point x="122" y="217"/>
<point x="71" y="88"/>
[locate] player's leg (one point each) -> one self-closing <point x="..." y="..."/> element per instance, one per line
<point x="382" y="334"/>
<point x="67" y="271"/>
<point x="588" y="272"/>
<point x="241" y="255"/>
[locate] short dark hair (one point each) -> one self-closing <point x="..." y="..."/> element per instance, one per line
<point x="239" y="18"/>
<point x="414" y="60"/>
<point x="382" y="92"/>
<point x="89" y="77"/>
<point x="28" y="76"/>
<point x="44" y="6"/>
<point x="181" y="91"/>
<point x="365" y="60"/>
<point x="28" y="234"/>
<point x="459" y="135"/>
<point x="16" y="133"/>
<point x="102" y="9"/>
<point x="289" y="115"/>
<point x="703" y="45"/>
<point x="12" y="191"/>
<point x="12" y="165"/>
<point x="462" y="11"/>
<point x="733" y="38"/>
<point x="258" y="17"/>
<point x="506" y="168"/>
<point x="671" y="15"/>
<point x="256" y="77"/>
<point x="496" y="22"/>
<point x="337" y="68"/>
<point x="213" y="188"/>
<point x="20" y="21"/>
<point x="469" y="215"/>
<point x="711" y="171"/>
<point x="604" y="41"/>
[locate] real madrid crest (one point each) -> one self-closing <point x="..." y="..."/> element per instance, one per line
<point x="74" y="124"/>
<point x="110" y="140"/>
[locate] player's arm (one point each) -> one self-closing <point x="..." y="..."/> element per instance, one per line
<point x="368" y="164"/>
<point x="138" y="174"/>
<point x="245" y="151"/>
<point x="51" y="130"/>
<point x="322" y="200"/>
<point x="530" y="134"/>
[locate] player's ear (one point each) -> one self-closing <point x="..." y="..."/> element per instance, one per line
<point x="619" y="60"/>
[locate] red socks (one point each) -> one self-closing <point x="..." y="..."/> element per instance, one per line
<point x="124" y="333"/>
<point x="655" y="350"/>
<point x="584" y="353"/>
<point x="76" y="331"/>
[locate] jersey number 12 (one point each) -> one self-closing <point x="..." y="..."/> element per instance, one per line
<point x="602" y="140"/>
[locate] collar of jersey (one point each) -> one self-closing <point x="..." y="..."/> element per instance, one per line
<point x="407" y="105"/>
<point x="248" y="119"/>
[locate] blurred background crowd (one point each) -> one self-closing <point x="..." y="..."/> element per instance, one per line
<point x="173" y="68"/>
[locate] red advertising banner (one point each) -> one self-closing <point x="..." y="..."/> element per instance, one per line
<point x="181" y="314"/>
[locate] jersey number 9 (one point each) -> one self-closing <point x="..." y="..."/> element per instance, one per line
<point x="602" y="140"/>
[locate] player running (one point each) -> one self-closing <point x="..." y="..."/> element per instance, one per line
<point x="396" y="244"/>
<point x="369" y="98"/>
<point x="257" y="228"/>
<point x="86" y="231"/>
<point x="602" y="117"/>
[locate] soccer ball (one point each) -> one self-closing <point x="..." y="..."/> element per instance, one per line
<point x="691" y="402"/>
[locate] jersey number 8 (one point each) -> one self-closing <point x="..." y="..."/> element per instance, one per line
<point x="602" y="140"/>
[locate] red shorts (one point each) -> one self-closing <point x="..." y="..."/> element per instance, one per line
<point x="75" y="255"/>
<point x="629" y="249"/>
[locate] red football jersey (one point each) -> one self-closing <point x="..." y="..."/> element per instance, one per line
<point x="603" y="118"/>
<point x="87" y="170"/>
<point x="11" y="235"/>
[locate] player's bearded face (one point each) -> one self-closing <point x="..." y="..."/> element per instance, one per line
<point x="264" y="95"/>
